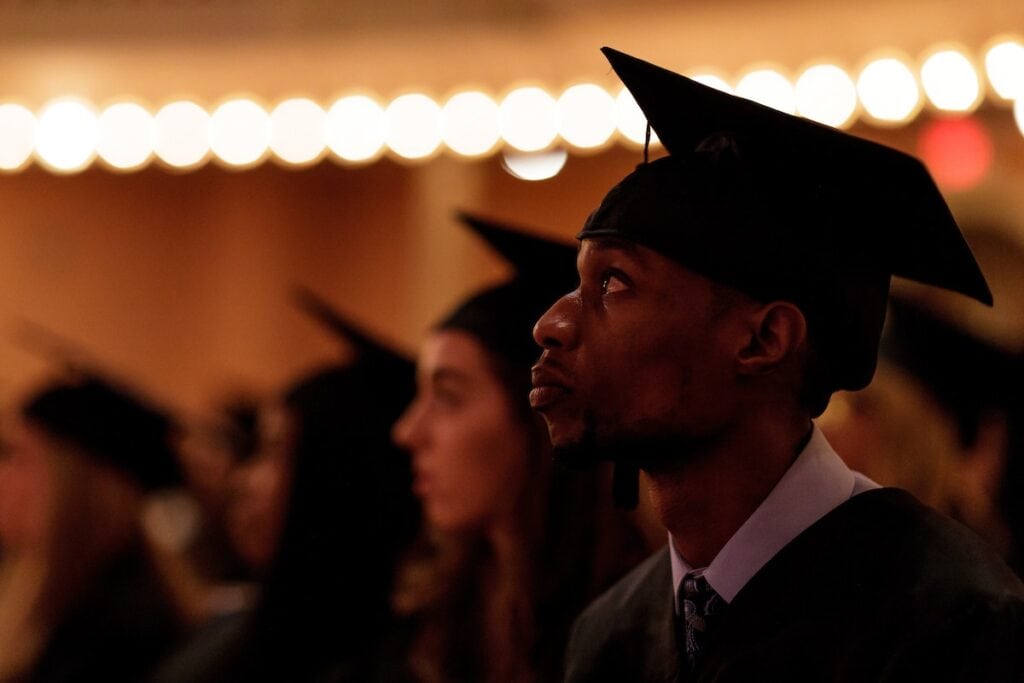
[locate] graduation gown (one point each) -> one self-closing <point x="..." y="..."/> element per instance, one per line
<point x="880" y="589"/>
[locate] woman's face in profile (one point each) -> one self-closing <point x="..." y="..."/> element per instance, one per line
<point x="470" y="449"/>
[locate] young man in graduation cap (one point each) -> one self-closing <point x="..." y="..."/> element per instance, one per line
<point x="726" y="291"/>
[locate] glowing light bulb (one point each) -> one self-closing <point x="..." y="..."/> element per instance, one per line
<point x="239" y="132"/>
<point x="586" y="115"/>
<point x="354" y="129"/>
<point x="888" y="90"/>
<point x="17" y="136"/>
<point x="297" y="131"/>
<point x="67" y="135"/>
<point x="413" y="126"/>
<point x="529" y="119"/>
<point x="630" y="119"/>
<point x="950" y="81"/>
<point x="826" y="94"/>
<point x="713" y="81"/>
<point x="127" y="135"/>
<point x="768" y="87"/>
<point x="182" y="134"/>
<point x="1004" y="64"/>
<point x="535" y="166"/>
<point x="469" y="123"/>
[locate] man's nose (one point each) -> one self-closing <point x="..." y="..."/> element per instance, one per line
<point x="558" y="328"/>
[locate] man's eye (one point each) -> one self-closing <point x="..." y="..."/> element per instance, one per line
<point x="612" y="283"/>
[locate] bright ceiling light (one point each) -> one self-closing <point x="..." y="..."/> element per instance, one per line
<point x="469" y="123"/>
<point x="586" y="114"/>
<point x="297" y="131"/>
<point x="354" y="129"/>
<point x="950" y="81"/>
<point x="182" y="134"/>
<point x="18" y="138"/>
<point x="127" y="135"/>
<point x="713" y="81"/>
<point x="535" y="166"/>
<point x="1004" y="64"/>
<point x="630" y="119"/>
<point x="239" y="132"/>
<point x="768" y="87"/>
<point x="888" y="90"/>
<point x="529" y="119"/>
<point x="413" y="126"/>
<point x="826" y="94"/>
<point x="67" y="135"/>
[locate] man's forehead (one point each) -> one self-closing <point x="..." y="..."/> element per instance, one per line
<point x="611" y="244"/>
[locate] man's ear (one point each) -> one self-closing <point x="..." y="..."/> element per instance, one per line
<point x="775" y="332"/>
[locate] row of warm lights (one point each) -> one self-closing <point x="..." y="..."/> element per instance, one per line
<point x="68" y="134"/>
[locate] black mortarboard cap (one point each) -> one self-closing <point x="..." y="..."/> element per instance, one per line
<point x="503" y="316"/>
<point x="109" y="423"/>
<point x="783" y="208"/>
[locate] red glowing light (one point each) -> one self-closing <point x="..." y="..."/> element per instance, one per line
<point x="958" y="152"/>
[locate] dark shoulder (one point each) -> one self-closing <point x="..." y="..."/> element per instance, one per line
<point x="631" y="595"/>
<point x="912" y="547"/>
<point x="882" y="588"/>
<point x="626" y="630"/>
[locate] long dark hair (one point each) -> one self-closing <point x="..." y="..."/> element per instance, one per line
<point x="325" y="606"/>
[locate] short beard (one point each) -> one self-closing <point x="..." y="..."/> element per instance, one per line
<point x="651" y="452"/>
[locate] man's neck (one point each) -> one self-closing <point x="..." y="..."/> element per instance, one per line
<point x="705" y="499"/>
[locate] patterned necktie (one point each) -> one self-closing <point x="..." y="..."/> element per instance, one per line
<point x="698" y="603"/>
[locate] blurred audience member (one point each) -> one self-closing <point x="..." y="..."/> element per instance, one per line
<point x="211" y="453"/>
<point x="84" y="594"/>
<point x="325" y="509"/>
<point x="943" y="417"/>
<point x="516" y="546"/>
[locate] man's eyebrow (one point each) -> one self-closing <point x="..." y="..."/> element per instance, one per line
<point x="615" y="244"/>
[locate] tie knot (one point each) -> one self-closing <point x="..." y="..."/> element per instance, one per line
<point x="696" y="590"/>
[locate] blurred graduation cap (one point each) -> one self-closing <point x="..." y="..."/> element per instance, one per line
<point x="368" y="350"/>
<point x="969" y="376"/>
<point x="101" y="416"/>
<point x="503" y="316"/>
<point x="782" y="208"/>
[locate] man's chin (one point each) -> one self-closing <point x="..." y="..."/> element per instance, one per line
<point x="575" y="455"/>
<point x="645" y="452"/>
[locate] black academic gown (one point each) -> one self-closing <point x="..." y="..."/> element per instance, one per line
<point x="880" y="589"/>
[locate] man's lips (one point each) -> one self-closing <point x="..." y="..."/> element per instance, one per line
<point x="549" y="387"/>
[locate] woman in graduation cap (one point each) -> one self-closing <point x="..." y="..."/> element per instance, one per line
<point x="327" y="508"/>
<point x="85" y="594"/>
<point x="516" y="546"/>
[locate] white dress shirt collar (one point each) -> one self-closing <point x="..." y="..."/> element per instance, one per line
<point x="816" y="483"/>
